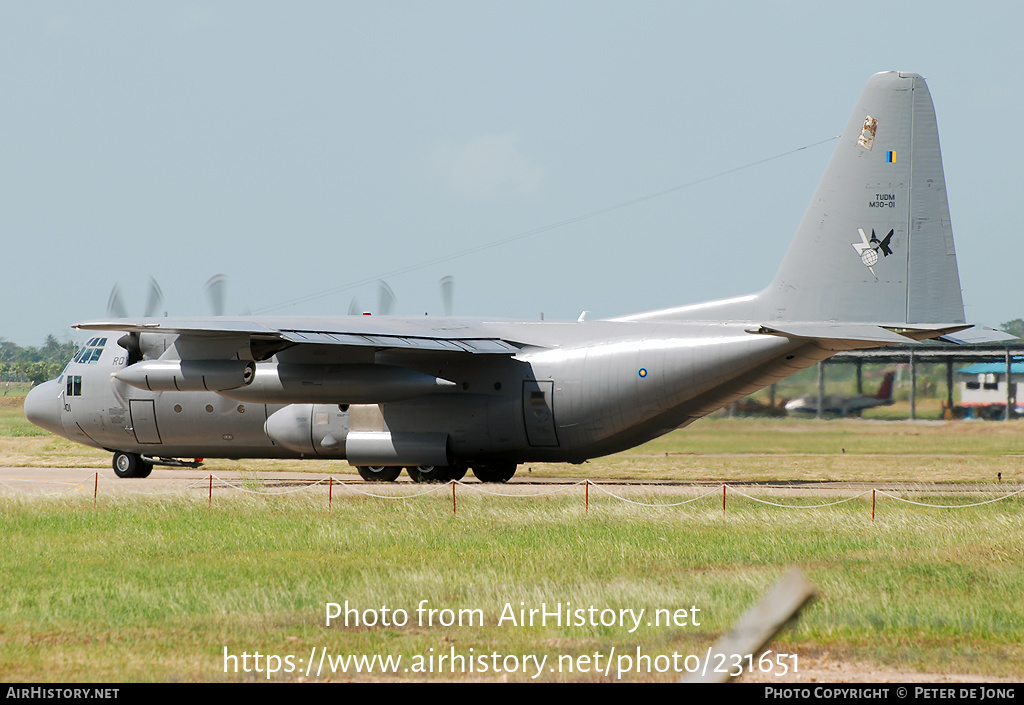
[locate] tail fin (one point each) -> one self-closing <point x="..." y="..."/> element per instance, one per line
<point x="885" y="388"/>
<point x="876" y="244"/>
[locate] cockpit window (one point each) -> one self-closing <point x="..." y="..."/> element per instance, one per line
<point x="91" y="352"/>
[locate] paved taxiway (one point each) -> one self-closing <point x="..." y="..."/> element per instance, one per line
<point x="33" y="481"/>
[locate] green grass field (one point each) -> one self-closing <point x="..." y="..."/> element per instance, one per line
<point x="151" y="589"/>
<point x="156" y="590"/>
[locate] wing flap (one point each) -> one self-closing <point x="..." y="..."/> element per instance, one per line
<point x="489" y="346"/>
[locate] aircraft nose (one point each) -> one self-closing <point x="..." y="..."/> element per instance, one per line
<point x="42" y="407"/>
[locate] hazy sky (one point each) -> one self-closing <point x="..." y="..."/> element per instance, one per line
<point x="312" y="147"/>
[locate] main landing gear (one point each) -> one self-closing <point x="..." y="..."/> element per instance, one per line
<point x="499" y="472"/>
<point x="378" y="473"/>
<point x="436" y="473"/>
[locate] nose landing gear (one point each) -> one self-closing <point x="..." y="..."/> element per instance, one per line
<point x="131" y="465"/>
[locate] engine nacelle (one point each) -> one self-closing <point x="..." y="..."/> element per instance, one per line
<point x="310" y="429"/>
<point x="323" y="430"/>
<point x="188" y="375"/>
<point x="337" y="384"/>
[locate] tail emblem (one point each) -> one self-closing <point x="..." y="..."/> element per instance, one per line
<point x="867" y="133"/>
<point x="868" y="249"/>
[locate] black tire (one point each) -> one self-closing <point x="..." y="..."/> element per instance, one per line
<point x="430" y="473"/>
<point x="502" y="472"/>
<point x="378" y="473"/>
<point x="130" y="465"/>
<point x="144" y="469"/>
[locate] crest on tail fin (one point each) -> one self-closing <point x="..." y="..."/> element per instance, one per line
<point x="869" y="249"/>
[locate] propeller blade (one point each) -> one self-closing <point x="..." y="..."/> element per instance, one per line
<point x="215" y="290"/>
<point x="115" y="306"/>
<point x="447" y="293"/>
<point x="385" y="298"/>
<point x="155" y="299"/>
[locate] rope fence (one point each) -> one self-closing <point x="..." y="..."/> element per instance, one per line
<point x="254" y="487"/>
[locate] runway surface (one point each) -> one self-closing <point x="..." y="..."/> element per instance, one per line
<point x="36" y="481"/>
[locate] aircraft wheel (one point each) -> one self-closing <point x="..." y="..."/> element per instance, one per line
<point x="501" y="472"/>
<point x="430" y="473"/>
<point x="378" y="473"/>
<point x="130" y="465"/>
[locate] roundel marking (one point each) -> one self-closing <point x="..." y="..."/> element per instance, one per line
<point x="642" y="372"/>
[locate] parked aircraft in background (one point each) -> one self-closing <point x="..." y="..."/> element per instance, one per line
<point x="439" y="395"/>
<point x="844" y="404"/>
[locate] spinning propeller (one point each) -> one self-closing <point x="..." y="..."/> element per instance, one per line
<point x="386" y="298"/>
<point x="215" y="288"/>
<point x="154" y="301"/>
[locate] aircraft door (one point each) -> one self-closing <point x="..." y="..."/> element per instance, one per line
<point x="143" y="413"/>
<point x="538" y="413"/>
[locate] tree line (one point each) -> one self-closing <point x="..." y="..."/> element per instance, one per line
<point x="35" y="364"/>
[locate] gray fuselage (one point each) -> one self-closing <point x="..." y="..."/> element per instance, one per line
<point x="574" y="391"/>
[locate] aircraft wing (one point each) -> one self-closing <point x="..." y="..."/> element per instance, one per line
<point x="438" y="334"/>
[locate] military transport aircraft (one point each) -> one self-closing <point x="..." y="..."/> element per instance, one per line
<point x="439" y="395"/>
<point x="844" y="404"/>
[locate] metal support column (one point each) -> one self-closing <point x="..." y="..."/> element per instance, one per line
<point x="913" y="387"/>
<point x="949" y="387"/>
<point x="821" y="391"/>
<point x="1010" y="401"/>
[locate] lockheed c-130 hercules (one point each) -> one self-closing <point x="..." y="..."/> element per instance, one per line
<point x="440" y="395"/>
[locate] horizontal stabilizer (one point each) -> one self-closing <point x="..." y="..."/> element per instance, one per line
<point x="977" y="335"/>
<point x="854" y="333"/>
